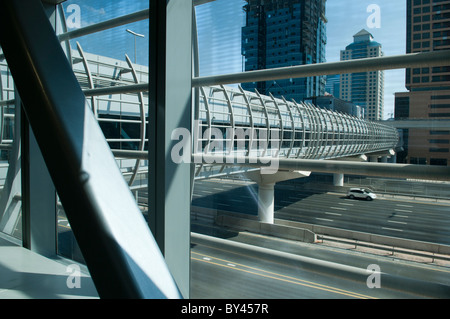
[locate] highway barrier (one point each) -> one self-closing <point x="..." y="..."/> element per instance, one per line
<point x="310" y="233"/>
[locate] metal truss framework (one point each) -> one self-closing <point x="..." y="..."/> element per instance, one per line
<point x="296" y="130"/>
<point x="285" y="129"/>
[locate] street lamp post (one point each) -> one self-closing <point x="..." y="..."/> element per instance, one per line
<point x="135" y="35"/>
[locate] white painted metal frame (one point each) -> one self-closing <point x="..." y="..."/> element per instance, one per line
<point x="322" y="141"/>
<point x="115" y="77"/>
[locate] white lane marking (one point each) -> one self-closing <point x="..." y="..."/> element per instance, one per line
<point x="394" y="229"/>
<point x="396" y="222"/>
<point x="338" y="208"/>
<point x="403" y="210"/>
<point x="336" y="214"/>
<point x="346" y="204"/>
<point x="324" y="219"/>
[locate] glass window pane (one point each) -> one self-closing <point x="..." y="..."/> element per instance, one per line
<point x="10" y="177"/>
<point x="253" y="233"/>
<point x="115" y="56"/>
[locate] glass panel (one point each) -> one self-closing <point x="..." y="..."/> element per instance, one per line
<point x="117" y="56"/>
<point x="285" y="235"/>
<point x="10" y="177"/>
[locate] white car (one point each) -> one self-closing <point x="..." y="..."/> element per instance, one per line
<point x="361" y="193"/>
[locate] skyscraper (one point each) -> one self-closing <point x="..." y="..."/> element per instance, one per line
<point x="428" y="29"/>
<point x="364" y="89"/>
<point x="333" y="85"/>
<point x="281" y="33"/>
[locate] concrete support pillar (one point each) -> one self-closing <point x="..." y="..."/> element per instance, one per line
<point x="266" y="202"/>
<point x="394" y="159"/>
<point x="338" y="179"/>
<point x="266" y="191"/>
<point x="373" y="158"/>
<point x="384" y="159"/>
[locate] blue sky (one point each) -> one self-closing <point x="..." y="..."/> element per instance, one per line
<point x="115" y="42"/>
<point x="220" y="24"/>
<point x="219" y="28"/>
<point x="347" y="17"/>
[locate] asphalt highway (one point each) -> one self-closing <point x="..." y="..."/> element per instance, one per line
<point x="229" y="264"/>
<point x="405" y="218"/>
<point x="233" y="269"/>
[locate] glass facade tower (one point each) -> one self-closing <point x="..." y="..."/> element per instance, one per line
<point x="365" y="89"/>
<point x="281" y="34"/>
<point x="428" y="28"/>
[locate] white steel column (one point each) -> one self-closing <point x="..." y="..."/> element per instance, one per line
<point x="170" y="100"/>
<point x="266" y="191"/>
<point x="338" y="179"/>
<point x="266" y="202"/>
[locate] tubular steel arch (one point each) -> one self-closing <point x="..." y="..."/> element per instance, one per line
<point x="110" y="75"/>
<point x="305" y="131"/>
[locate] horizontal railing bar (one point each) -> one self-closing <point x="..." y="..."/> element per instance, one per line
<point x="132" y="88"/>
<point x="419" y="124"/>
<point x="116" y="22"/>
<point x="123" y="140"/>
<point x="101" y="119"/>
<point x="427" y="172"/>
<point x="143" y="155"/>
<point x="423" y="59"/>
<point x="106" y="99"/>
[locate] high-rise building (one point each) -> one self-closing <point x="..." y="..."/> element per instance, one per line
<point x="428" y="29"/>
<point x="333" y="85"/>
<point x="281" y="33"/>
<point x="365" y="89"/>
